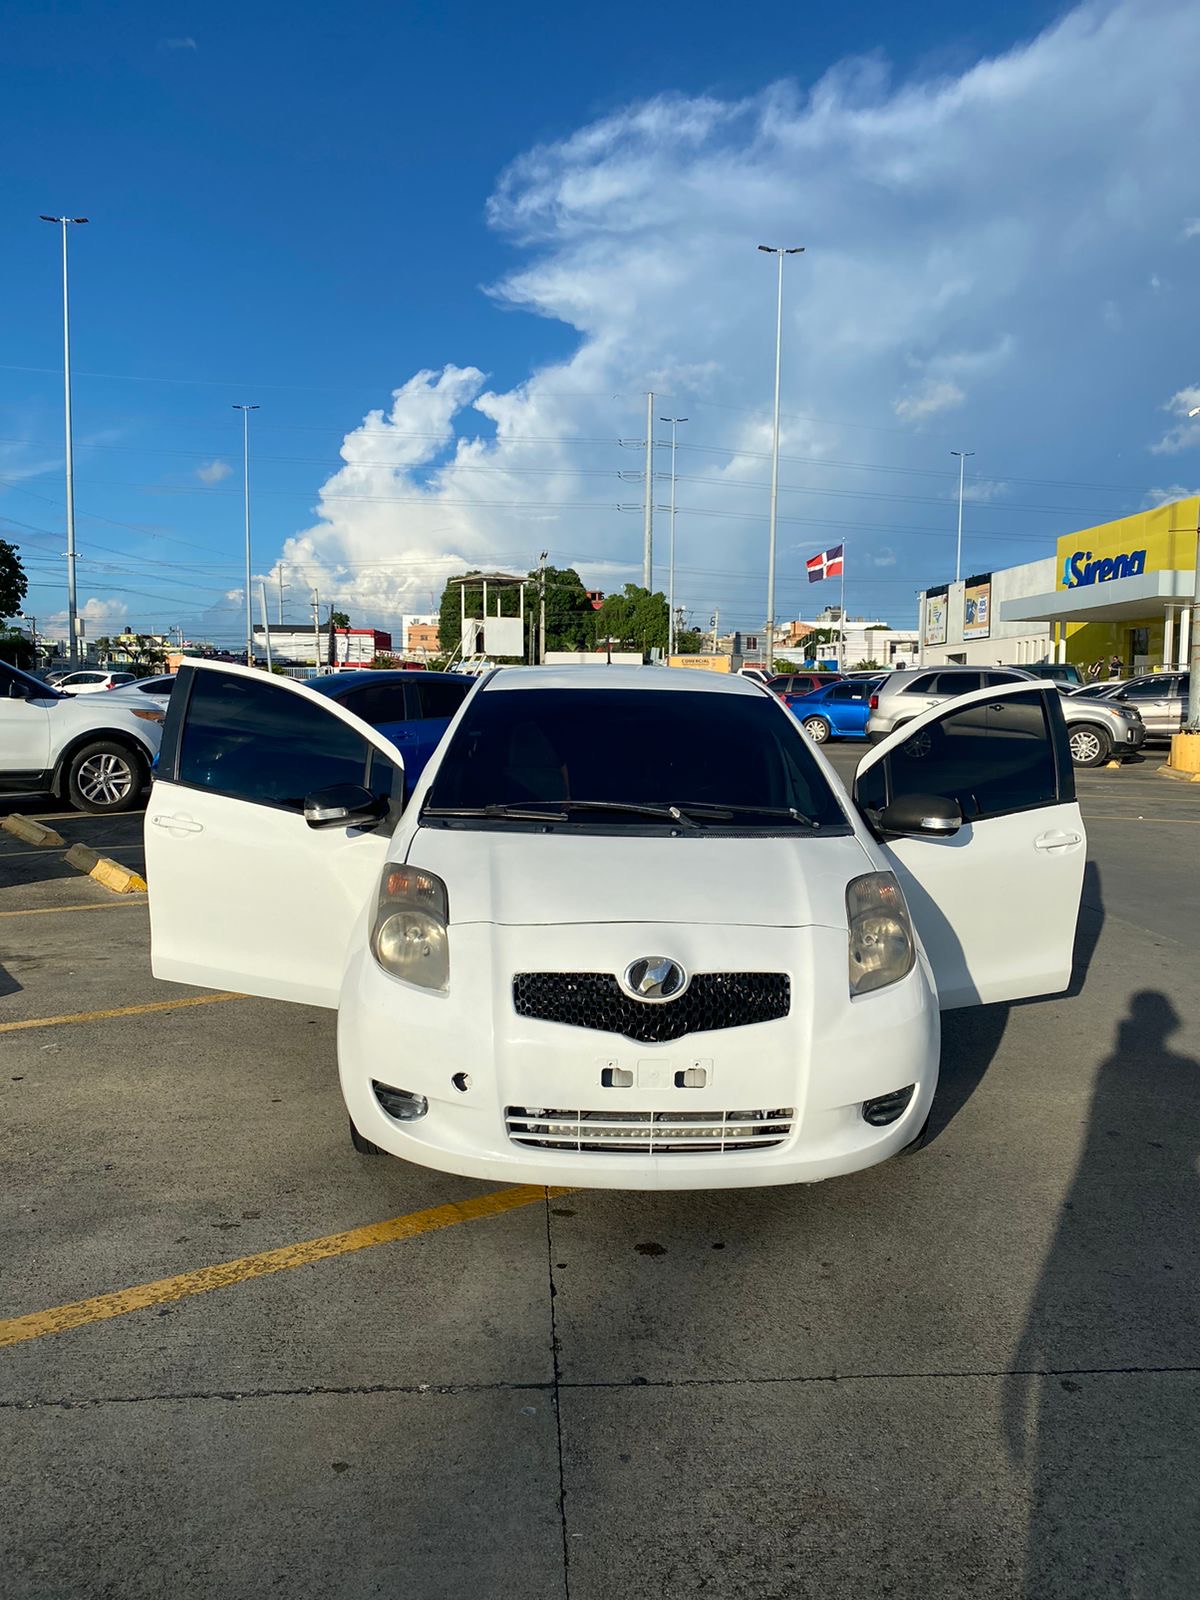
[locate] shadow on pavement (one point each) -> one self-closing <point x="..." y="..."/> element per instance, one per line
<point x="1102" y="1406"/>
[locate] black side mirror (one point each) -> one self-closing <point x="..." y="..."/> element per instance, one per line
<point x="344" y="805"/>
<point x="929" y="816"/>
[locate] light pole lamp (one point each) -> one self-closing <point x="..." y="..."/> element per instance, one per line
<point x="962" y="462"/>
<point x="674" y="421"/>
<point x="72" y="606"/>
<point x="780" y="251"/>
<point x="246" y="410"/>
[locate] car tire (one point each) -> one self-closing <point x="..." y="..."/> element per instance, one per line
<point x="817" y="729"/>
<point x="105" y="778"/>
<point x="1089" y="746"/>
<point x="362" y="1145"/>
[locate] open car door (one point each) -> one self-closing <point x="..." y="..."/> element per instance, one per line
<point x="996" y="902"/>
<point x="267" y="828"/>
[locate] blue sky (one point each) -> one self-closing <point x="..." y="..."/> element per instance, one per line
<point x="545" y="212"/>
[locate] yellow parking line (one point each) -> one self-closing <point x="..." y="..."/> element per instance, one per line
<point x="59" y="1319"/>
<point x="119" y="1011"/>
<point x="93" y="905"/>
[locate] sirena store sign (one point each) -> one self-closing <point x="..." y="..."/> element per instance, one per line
<point x="1080" y="568"/>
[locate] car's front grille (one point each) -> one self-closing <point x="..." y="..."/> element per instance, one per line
<point x="596" y="1000"/>
<point x="647" y="1132"/>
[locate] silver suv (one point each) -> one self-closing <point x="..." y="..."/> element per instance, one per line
<point x="1096" y="729"/>
<point x="1159" y="698"/>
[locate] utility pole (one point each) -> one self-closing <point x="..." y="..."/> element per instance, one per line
<point x="316" y="611"/>
<point x="648" y="514"/>
<point x="281" y="594"/>
<point x="674" y="421"/>
<point x="246" y="410"/>
<point x="962" y="462"/>
<point x="542" y="607"/>
<point x="715" y="619"/>
<point x="72" y="606"/>
<point x="780" y="251"/>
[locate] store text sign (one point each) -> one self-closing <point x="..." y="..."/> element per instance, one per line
<point x="1080" y="569"/>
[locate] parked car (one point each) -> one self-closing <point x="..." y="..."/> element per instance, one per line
<point x="94" y="752"/>
<point x="413" y="709"/>
<point x="836" y="710"/>
<point x="1160" y="698"/>
<point x="92" y="681"/>
<point x="1098" y="689"/>
<point x="1064" y="673"/>
<point x="580" y="951"/>
<point x="786" y="683"/>
<point x="1096" y="730"/>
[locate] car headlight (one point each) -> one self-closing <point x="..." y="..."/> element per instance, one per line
<point x="409" y="938"/>
<point x="881" y="945"/>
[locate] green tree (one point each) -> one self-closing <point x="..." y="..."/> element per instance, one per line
<point x="634" y="619"/>
<point x="688" y="641"/>
<point x="570" y="618"/>
<point x="13" y="583"/>
<point x="339" y="619"/>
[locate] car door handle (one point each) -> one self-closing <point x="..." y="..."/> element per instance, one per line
<point x="178" y="826"/>
<point x="1057" y="840"/>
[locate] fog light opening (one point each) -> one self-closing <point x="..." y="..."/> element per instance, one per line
<point x="886" y="1108"/>
<point x="401" y="1104"/>
<point x="461" y="1081"/>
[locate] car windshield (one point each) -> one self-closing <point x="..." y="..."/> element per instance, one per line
<point x="631" y="758"/>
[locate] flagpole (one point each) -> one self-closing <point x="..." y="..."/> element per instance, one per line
<point x="842" y="653"/>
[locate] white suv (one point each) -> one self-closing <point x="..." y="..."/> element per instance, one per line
<point x="94" y="751"/>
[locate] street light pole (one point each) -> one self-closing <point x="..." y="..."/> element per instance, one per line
<point x="72" y="606"/>
<point x="780" y="251"/>
<point x="962" y="462"/>
<point x="246" y="410"/>
<point x="674" y="421"/>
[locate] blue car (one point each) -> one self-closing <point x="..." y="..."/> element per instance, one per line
<point x="413" y="709"/>
<point x="836" y="711"/>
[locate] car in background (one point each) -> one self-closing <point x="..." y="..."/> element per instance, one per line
<point x="1097" y="689"/>
<point x="1160" y="698"/>
<point x="1064" y="673"/>
<point x="158" y="686"/>
<point x="581" y="951"/>
<point x="798" y="683"/>
<point x="837" y="710"/>
<point x="1096" y="729"/>
<point x="94" y="751"/>
<point x="93" y="680"/>
<point x="411" y="709"/>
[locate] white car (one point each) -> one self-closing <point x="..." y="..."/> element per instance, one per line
<point x="91" y="680"/>
<point x="628" y="930"/>
<point x="95" y="752"/>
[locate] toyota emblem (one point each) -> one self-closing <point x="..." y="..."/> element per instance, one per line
<point x="654" y="979"/>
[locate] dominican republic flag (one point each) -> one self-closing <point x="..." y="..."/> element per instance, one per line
<point x="827" y="565"/>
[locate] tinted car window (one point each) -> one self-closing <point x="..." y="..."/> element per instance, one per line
<point x="1145" y="689"/>
<point x="921" y="684"/>
<point x="992" y="680"/>
<point x="955" y="683"/>
<point x="647" y="746"/>
<point x="258" y="741"/>
<point x="991" y="758"/>
<point x="439" y="697"/>
<point x="377" y="703"/>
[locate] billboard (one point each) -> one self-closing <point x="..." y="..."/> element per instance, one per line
<point x="977" y="607"/>
<point x="936" y="609"/>
<point x="1163" y="539"/>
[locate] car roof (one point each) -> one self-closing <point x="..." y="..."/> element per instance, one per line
<point x="330" y="682"/>
<point x="685" y="680"/>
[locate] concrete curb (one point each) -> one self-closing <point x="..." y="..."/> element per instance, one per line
<point x="32" y="832"/>
<point x="1175" y="772"/>
<point x="111" y="874"/>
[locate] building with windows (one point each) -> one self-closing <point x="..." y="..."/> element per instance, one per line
<point x="1122" y="591"/>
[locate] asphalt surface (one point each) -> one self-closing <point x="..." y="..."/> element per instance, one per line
<point x="972" y="1371"/>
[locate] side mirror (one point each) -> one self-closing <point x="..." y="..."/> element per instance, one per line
<point x="927" y="816"/>
<point x="344" y="805"/>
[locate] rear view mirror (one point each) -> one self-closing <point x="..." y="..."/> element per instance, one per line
<point x="921" y="815"/>
<point x="344" y="805"/>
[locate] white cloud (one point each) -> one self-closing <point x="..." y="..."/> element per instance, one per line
<point x="1110" y="315"/>
<point x="1191" y="228"/>
<point x="213" y="472"/>
<point x="185" y="43"/>
<point x="1186" y="432"/>
<point x="950" y="224"/>
<point x="1173" y="491"/>
<point x="100" y="617"/>
<point x="982" y="491"/>
<point x="934" y="395"/>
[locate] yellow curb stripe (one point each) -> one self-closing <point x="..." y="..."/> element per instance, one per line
<point x="60" y="1319"/>
<point x="49" y="911"/>
<point x="119" y="1011"/>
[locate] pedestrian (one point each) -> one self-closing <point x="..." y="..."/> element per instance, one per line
<point x="1114" y="667"/>
<point x="1096" y="668"/>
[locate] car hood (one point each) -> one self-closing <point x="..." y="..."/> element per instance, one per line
<point x="534" y="879"/>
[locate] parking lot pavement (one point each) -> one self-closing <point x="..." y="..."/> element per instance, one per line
<point x="969" y="1371"/>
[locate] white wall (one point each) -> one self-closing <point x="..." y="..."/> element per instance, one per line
<point x="1011" y="643"/>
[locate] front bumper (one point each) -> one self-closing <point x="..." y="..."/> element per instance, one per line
<point x="821" y="1062"/>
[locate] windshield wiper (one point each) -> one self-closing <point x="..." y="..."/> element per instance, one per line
<point x="723" y="812"/>
<point x="506" y="813"/>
